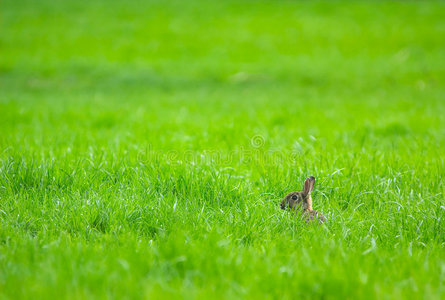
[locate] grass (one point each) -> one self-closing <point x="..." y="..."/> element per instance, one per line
<point x="145" y="147"/>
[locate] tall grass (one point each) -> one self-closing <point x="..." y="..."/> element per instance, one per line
<point x="145" y="147"/>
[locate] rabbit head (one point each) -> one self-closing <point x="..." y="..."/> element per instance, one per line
<point x="300" y="199"/>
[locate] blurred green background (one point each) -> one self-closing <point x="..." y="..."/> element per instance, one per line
<point x="145" y="146"/>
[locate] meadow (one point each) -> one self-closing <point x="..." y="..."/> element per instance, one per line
<point x="145" y="147"/>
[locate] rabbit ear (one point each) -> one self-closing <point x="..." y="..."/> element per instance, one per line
<point x="309" y="185"/>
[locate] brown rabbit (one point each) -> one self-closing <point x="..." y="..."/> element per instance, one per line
<point x="302" y="201"/>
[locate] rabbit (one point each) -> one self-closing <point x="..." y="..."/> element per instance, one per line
<point x="302" y="201"/>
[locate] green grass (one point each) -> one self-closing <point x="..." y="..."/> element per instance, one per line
<point x="145" y="147"/>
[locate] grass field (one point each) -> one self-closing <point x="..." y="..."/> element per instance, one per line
<point x="145" y="147"/>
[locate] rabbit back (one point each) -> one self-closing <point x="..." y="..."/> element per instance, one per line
<point x="313" y="215"/>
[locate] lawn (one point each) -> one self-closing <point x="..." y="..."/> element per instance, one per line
<point x="145" y="147"/>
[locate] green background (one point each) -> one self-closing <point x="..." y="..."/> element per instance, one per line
<point x="145" y="147"/>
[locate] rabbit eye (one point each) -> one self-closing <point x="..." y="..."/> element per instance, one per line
<point x="294" y="197"/>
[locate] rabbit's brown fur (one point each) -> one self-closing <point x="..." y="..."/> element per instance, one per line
<point x="301" y="201"/>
